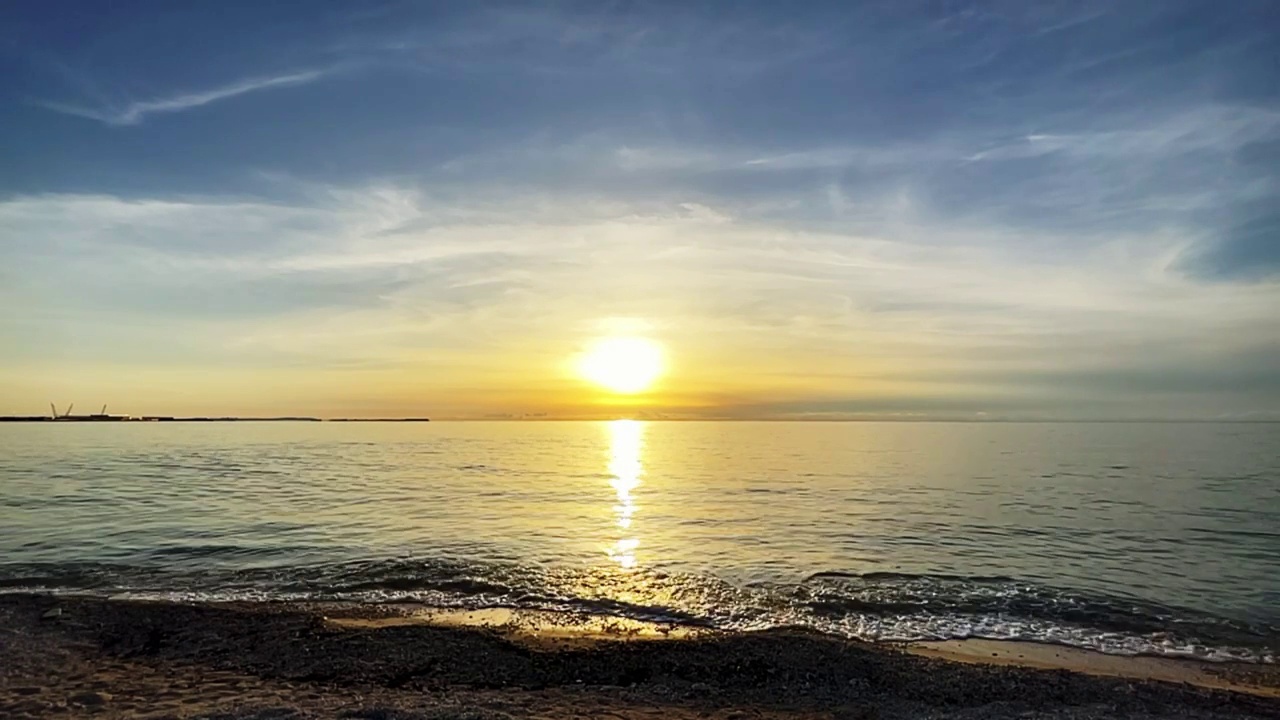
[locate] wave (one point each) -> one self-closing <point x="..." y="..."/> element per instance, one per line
<point x="878" y="606"/>
<point x="885" y="575"/>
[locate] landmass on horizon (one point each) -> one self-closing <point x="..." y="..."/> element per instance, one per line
<point x="643" y="416"/>
<point x="172" y="419"/>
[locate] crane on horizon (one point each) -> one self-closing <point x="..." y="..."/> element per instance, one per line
<point x="54" y="408"/>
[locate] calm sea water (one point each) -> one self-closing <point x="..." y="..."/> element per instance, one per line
<point x="1152" y="538"/>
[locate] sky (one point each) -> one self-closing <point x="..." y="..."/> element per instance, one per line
<point x="898" y="210"/>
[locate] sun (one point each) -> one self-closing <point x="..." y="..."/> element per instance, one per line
<point x="624" y="365"/>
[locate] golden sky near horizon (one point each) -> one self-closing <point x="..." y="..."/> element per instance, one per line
<point x="752" y="320"/>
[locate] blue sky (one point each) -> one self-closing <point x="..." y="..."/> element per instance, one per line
<point x="886" y="209"/>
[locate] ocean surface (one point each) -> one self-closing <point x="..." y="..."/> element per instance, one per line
<point x="1126" y="538"/>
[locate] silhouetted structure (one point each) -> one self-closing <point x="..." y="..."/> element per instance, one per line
<point x="102" y="416"/>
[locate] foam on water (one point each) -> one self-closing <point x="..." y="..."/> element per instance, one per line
<point x="872" y="607"/>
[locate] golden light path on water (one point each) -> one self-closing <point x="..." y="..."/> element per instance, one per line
<point x="626" y="442"/>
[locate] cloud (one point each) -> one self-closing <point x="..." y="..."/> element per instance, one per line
<point x="1248" y="248"/>
<point x="1213" y="128"/>
<point x="1024" y="208"/>
<point x="135" y="112"/>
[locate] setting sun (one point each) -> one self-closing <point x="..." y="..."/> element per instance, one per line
<point x="622" y="364"/>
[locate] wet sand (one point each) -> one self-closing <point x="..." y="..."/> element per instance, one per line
<point x="1239" y="677"/>
<point x="552" y="630"/>
<point x="79" y="657"/>
<point x="544" y="630"/>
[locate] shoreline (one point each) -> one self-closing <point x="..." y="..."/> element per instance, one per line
<point x="67" y="656"/>
<point x="546" y="629"/>
<point x="1251" y="678"/>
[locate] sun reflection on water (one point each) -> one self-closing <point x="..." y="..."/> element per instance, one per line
<point x="626" y="441"/>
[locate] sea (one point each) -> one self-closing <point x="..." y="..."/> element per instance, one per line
<point x="1126" y="538"/>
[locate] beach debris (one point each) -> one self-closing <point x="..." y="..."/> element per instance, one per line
<point x="89" y="699"/>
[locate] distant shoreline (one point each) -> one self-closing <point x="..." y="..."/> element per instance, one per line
<point x="127" y="419"/>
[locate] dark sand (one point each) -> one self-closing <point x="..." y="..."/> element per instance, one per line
<point x="79" y="657"/>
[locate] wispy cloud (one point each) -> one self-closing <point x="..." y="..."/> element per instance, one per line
<point x="135" y="112"/>
<point x="956" y="323"/>
<point x="1214" y="128"/>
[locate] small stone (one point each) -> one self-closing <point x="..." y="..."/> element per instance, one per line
<point x="52" y="613"/>
<point x="33" y="708"/>
<point x="90" y="699"/>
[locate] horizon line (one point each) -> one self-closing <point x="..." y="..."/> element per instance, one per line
<point x="130" y="419"/>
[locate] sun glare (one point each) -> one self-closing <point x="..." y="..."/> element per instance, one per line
<point x="622" y="364"/>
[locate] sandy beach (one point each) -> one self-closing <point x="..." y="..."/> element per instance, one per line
<point x="1239" y="677"/>
<point x="80" y="657"/>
